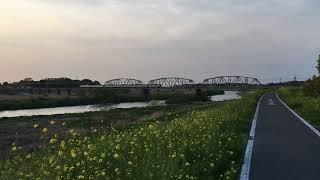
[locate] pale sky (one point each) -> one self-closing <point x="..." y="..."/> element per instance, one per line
<point x="147" y="39"/>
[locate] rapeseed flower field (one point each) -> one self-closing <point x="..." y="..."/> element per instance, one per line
<point x="204" y="143"/>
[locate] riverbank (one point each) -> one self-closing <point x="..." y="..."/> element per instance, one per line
<point x="204" y="142"/>
<point x="16" y="102"/>
<point x="307" y="106"/>
<point x="20" y="130"/>
<point x="104" y="96"/>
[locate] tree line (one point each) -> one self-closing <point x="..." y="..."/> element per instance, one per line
<point x="50" y="83"/>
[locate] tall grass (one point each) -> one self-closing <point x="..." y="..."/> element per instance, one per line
<point x="205" y="143"/>
<point x="307" y="106"/>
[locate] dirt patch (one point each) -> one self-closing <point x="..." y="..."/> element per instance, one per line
<point x="22" y="132"/>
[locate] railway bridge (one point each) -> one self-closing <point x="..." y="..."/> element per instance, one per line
<point x="220" y="82"/>
<point x="167" y="84"/>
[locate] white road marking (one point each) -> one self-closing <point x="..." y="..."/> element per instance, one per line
<point x="245" y="171"/>
<point x="300" y="118"/>
<point x="271" y="102"/>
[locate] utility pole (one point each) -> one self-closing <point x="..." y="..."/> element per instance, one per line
<point x="295" y="78"/>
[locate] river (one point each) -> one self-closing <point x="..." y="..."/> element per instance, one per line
<point x="228" y="95"/>
<point x="77" y="109"/>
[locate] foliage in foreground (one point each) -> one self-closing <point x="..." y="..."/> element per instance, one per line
<point x="307" y="106"/>
<point x="205" y="143"/>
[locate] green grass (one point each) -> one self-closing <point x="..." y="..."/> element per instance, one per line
<point x="204" y="143"/>
<point x="307" y="106"/>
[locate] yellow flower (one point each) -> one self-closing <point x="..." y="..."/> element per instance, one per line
<point x="63" y="144"/>
<point x="35" y="125"/>
<point x="116" y="156"/>
<point x="212" y="165"/>
<point x="14" y="148"/>
<point x="52" y="122"/>
<point x="53" y="141"/>
<point x="73" y="153"/>
<point x="60" y="153"/>
<point x="71" y="131"/>
<point x="63" y="124"/>
<point x="45" y="130"/>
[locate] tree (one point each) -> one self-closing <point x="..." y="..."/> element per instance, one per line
<point x="318" y="66"/>
<point x="97" y="83"/>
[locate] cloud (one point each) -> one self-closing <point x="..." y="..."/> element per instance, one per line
<point x="143" y="38"/>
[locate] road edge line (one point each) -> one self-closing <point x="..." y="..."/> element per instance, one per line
<point x="299" y="117"/>
<point x="245" y="170"/>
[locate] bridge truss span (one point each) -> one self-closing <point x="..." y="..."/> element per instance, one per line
<point x="123" y="83"/>
<point x="171" y="82"/>
<point x="232" y="82"/>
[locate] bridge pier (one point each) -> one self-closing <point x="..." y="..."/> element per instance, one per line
<point x="199" y="91"/>
<point x="146" y="92"/>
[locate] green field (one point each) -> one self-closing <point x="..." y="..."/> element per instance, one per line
<point x="206" y="142"/>
<point x="307" y="106"/>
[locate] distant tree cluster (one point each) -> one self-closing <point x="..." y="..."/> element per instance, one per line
<point x="318" y="66"/>
<point x="4" y="84"/>
<point x="52" y="83"/>
<point x="312" y="86"/>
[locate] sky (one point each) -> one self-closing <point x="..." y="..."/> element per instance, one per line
<point x="148" y="39"/>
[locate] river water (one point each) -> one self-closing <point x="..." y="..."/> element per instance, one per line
<point x="229" y="95"/>
<point x="77" y="109"/>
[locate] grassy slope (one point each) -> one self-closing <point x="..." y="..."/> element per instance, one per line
<point x="308" y="107"/>
<point x="205" y="143"/>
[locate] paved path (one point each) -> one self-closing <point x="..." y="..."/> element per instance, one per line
<point x="284" y="148"/>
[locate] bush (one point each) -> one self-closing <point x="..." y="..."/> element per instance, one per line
<point x="312" y="87"/>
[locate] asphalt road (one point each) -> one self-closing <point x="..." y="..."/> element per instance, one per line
<point x="284" y="148"/>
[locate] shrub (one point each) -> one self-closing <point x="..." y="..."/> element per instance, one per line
<point x="312" y="87"/>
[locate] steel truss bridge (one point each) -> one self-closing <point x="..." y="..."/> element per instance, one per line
<point x="123" y="83"/>
<point x="222" y="82"/>
<point x="232" y="82"/>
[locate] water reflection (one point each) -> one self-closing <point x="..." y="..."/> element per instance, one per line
<point x="229" y="95"/>
<point x="77" y="109"/>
